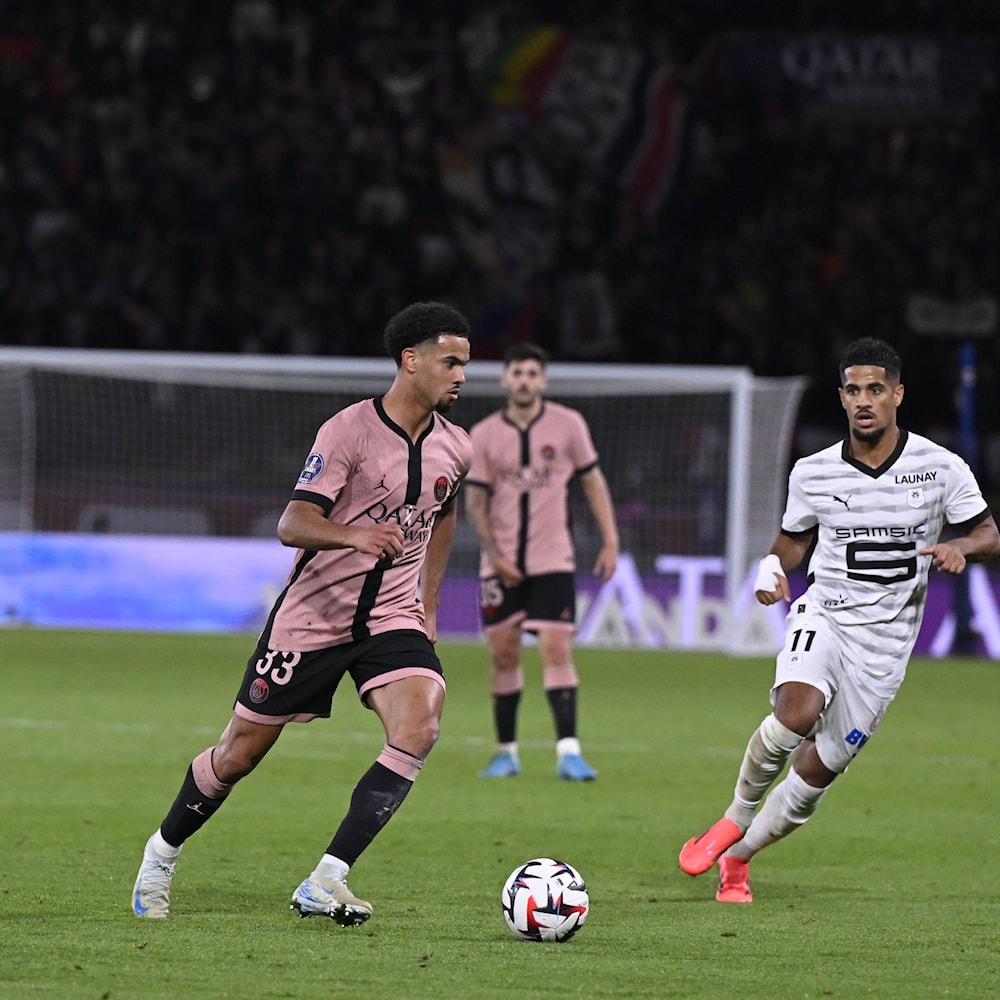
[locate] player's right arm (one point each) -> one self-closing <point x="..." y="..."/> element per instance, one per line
<point x="786" y="552"/>
<point x="477" y="512"/>
<point x="304" y="525"/>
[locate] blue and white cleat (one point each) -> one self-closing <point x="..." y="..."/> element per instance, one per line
<point x="502" y="765"/>
<point x="572" y="767"/>
<point x="151" y="894"/>
<point x="325" y="894"/>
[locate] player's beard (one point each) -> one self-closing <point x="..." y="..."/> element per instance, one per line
<point x="444" y="406"/>
<point x="868" y="437"/>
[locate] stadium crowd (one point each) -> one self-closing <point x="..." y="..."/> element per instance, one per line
<point x="249" y="176"/>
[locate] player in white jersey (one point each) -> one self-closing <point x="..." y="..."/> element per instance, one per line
<point x="372" y="515"/>
<point x="874" y="506"/>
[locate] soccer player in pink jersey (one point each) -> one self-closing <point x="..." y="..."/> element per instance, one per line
<point x="372" y="515"/>
<point x="524" y="458"/>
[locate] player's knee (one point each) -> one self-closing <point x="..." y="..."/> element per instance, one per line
<point x="418" y="735"/>
<point x="798" y="710"/>
<point x="555" y="647"/>
<point x="429" y="732"/>
<point x="505" y="655"/>
<point x="777" y="736"/>
<point x="508" y="681"/>
<point x="505" y="647"/>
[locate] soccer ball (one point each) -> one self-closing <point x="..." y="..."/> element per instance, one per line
<point x="545" y="900"/>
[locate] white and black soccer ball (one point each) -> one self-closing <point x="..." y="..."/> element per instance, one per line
<point x="545" y="900"/>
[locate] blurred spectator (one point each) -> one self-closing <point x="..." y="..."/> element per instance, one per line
<point x="248" y="176"/>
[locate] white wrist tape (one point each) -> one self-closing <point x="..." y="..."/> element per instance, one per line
<point x="768" y="573"/>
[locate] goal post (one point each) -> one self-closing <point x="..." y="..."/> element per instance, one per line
<point x="99" y="442"/>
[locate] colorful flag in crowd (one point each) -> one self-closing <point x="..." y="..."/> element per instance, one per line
<point x="624" y="111"/>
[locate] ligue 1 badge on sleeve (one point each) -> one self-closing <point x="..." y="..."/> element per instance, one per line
<point x="313" y="468"/>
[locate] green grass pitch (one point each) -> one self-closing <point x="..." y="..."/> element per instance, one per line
<point x="891" y="891"/>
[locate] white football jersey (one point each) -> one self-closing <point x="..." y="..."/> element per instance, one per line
<point x="872" y="523"/>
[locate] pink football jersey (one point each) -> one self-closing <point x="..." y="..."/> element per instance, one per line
<point x="527" y="474"/>
<point x="363" y="468"/>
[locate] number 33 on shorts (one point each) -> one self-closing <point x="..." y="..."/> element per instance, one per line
<point x="279" y="666"/>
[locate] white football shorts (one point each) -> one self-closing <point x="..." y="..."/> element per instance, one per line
<point x="831" y="658"/>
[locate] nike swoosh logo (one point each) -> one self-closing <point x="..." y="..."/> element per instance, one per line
<point x="137" y="906"/>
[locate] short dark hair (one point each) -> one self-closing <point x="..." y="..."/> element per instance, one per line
<point x="420" y="322"/>
<point x="870" y="351"/>
<point x="526" y="352"/>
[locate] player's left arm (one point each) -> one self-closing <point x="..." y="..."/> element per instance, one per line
<point x="595" y="489"/>
<point x="436" y="562"/>
<point x="980" y="543"/>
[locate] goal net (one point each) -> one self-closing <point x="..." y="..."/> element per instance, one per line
<point x="126" y="443"/>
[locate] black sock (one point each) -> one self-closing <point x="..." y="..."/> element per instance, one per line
<point x="376" y="797"/>
<point x="505" y="716"/>
<point x="563" y="702"/>
<point x="191" y="810"/>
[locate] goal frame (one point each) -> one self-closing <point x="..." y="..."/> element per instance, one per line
<point x="371" y="376"/>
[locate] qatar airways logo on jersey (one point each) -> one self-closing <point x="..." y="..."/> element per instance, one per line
<point x="526" y="477"/>
<point x="416" y="524"/>
<point x="894" y="531"/>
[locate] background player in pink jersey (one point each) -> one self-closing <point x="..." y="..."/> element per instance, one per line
<point x="524" y="458"/>
<point x="373" y="514"/>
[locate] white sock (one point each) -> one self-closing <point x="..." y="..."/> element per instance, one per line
<point x="164" y="849"/>
<point x="510" y="748"/>
<point x="569" y="744"/>
<point x="334" y="865"/>
<point x="767" y="751"/>
<point x="788" y="806"/>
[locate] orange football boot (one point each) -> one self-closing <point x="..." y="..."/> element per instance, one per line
<point x="734" y="880"/>
<point x="701" y="852"/>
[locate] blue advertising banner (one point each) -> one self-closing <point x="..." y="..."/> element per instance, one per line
<point x="157" y="583"/>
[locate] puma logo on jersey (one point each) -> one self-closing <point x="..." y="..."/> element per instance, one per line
<point x="842" y="500"/>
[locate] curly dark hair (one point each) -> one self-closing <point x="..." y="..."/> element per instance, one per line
<point x="420" y="322"/>
<point x="870" y="351"/>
